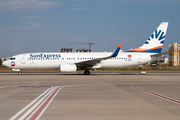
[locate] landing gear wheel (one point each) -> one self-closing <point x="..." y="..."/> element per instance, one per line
<point x="86" y="72"/>
<point x="19" y="73"/>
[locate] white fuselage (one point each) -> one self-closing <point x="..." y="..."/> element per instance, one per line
<point x="71" y="62"/>
<point x="54" y="60"/>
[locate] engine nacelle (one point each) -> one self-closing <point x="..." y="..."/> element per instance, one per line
<point x="68" y="68"/>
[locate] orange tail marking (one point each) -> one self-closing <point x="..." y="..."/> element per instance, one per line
<point x="119" y="45"/>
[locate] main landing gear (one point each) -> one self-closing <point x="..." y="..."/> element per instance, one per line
<point x="86" y="72"/>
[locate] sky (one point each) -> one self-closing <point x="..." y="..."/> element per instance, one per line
<point x="28" y="26"/>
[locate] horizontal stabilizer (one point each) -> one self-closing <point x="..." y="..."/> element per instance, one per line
<point x="160" y="54"/>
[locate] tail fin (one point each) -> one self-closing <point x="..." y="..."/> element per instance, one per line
<point x="155" y="42"/>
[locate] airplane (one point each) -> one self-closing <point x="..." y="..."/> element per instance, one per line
<point x="71" y="62"/>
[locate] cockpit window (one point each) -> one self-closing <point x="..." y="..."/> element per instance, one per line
<point x="11" y="58"/>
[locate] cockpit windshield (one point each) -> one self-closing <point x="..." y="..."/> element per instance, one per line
<point x="11" y="58"/>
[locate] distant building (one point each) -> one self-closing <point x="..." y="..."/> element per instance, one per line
<point x="174" y="57"/>
<point x="165" y="60"/>
<point x="3" y="59"/>
<point x="82" y="50"/>
<point x="66" y="50"/>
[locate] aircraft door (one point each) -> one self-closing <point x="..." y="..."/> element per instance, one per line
<point x="23" y="59"/>
<point x="138" y="58"/>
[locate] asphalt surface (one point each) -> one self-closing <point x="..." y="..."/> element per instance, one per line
<point x="96" y="72"/>
<point x="90" y="97"/>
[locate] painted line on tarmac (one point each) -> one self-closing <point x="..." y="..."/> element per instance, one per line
<point x="18" y="86"/>
<point x="34" y="86"/>
<point x="6" y="86"/>
<point x="40" y="110"/>
<point x="36" y="108"/>
<point x="86" y="85"/>
<point x="157" y="95"/>
<point x="45" y="97"/>
<point x="22" y="110"/>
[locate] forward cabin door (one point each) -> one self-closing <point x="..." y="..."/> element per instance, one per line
<point x="138" y="58"/>
<point x="23" y="59"/>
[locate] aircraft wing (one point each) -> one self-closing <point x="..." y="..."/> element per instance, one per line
<point x="91" y="63"/>
<point x="160" y="54"/>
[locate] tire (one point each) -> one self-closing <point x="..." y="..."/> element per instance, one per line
<point x="19" y="73"/>
<point x="86" y="72"/>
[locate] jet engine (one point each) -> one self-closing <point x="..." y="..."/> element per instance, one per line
<point x="68" y="68"/>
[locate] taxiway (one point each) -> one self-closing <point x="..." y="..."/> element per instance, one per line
<point x="98" y="97"/>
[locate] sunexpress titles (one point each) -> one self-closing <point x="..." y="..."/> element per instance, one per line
<point x="45" y="55"/>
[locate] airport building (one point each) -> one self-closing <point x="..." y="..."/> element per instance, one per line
<point x="82" y="50"/>
<point x="3" y="59"/>
<point x="64" y="50"/>
<point x="174" y="57"/>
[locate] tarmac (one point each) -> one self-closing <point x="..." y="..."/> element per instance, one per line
<point x="90" y="97"/>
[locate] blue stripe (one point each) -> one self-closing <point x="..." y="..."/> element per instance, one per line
<point x="149" y="51"/>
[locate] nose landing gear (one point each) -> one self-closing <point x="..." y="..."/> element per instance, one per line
<point x="19" y="73"/>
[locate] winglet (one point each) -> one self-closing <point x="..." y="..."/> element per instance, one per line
<point x="117" y="51"/>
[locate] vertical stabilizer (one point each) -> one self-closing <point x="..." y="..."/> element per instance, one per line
<point x="155" y="42"/>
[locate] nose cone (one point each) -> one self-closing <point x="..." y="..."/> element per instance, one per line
<point x="5" y="63"/>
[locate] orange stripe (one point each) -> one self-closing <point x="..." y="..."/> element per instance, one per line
<point x="141" y="49"/>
